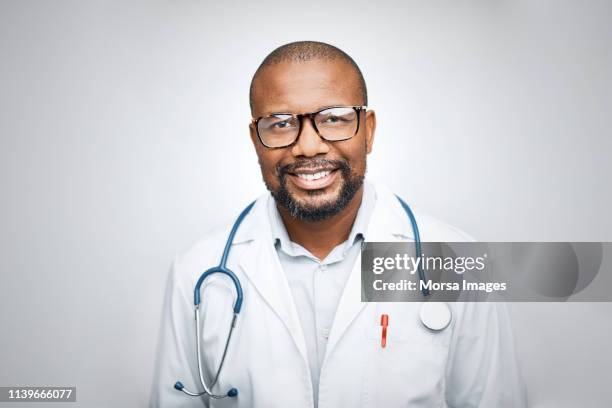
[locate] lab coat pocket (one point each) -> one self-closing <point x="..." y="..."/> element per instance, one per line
<point x="409" y="370"/>
<point x="415" y="335"/>
<point x="412" y="334"/>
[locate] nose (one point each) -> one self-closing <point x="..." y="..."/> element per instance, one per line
<point x="309" y="143"/>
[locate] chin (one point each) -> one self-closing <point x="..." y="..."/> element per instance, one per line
<point x="316" y="198"/>
<point x="316" y="204"/>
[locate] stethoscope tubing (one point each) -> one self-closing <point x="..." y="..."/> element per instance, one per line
<point x="222" y="268"/>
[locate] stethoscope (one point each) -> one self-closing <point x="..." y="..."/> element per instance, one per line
<point x="434" y="316"/>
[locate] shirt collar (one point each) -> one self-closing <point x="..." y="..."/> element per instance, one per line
<point x="358" y="231"/>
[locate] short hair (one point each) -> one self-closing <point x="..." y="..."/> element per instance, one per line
<point x="303" y="51"/>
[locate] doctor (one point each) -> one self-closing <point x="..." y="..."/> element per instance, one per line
<point x="303" y="338"/>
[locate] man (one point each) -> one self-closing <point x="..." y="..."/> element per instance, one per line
<point x="303" y="338"/>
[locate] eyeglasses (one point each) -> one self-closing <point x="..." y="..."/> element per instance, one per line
<point x="333" y="124"/>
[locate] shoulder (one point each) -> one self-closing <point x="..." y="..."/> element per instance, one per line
<point x="209" y="244"/>
<point x="431" y="228"/>
<point x="207" y="251"/>
<point x="204" y="253"/>
<point x="442" y="231"/>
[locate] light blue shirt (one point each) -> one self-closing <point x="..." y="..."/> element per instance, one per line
<point x="317" y="285"/>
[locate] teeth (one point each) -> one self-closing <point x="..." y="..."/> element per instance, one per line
<point x="314" y="176"/>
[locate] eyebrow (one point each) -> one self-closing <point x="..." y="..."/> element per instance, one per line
<point x="287" y="112"/>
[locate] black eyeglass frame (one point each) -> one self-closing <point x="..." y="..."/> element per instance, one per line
<point x="300" y="117"/>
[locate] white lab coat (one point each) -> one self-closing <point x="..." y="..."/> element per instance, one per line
<point x="469" y="364"/>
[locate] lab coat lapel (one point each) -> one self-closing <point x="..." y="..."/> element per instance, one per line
<point x="262" y="267"/>
<point x="388" y="223"/>
<point x="349" y="307"/>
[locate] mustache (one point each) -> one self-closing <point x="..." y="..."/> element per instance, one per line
<point x="301" y="164"/>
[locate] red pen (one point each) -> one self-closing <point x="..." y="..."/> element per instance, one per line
<point x="384" y="322"/>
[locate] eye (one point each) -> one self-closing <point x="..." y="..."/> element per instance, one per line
<point x="282" y="124"/>
<point x="332" y="119"/>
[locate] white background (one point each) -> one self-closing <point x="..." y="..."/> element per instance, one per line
<point x="124" y="138"/>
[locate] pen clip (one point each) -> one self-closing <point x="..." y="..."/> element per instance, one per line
<point x="384" y="322"/>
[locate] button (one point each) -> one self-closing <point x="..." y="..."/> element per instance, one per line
<point x="325" y="332"/>
<point x="322" y="268"/>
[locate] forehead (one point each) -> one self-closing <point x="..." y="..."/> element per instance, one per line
<point x="305" y="86"/>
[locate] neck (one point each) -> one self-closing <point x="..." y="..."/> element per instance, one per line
<point x="320" y="237"/>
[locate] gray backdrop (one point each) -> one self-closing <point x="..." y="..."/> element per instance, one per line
<point x="124" y="138"/>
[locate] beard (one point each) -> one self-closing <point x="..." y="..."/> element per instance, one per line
<point x="351" y="183"/>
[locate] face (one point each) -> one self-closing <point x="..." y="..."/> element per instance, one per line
<point x="313" y="179"/>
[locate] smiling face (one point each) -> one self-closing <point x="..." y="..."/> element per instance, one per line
<point x="313" y="179"/>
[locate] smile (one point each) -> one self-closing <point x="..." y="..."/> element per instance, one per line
<point x="313" y="179"/>
<point x="314" y="176"/>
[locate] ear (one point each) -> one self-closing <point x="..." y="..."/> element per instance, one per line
<point x="370" y="129"/>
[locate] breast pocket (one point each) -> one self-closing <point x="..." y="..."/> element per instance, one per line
<point x="409" y="370"/>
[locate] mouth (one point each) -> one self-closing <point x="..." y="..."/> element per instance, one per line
<point x="314" y="179"/>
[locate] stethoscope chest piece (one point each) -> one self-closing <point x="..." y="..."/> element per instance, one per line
<point x="435" y="316"/>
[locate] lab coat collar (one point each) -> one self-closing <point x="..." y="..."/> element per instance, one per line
<point x="388" y="221"/>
